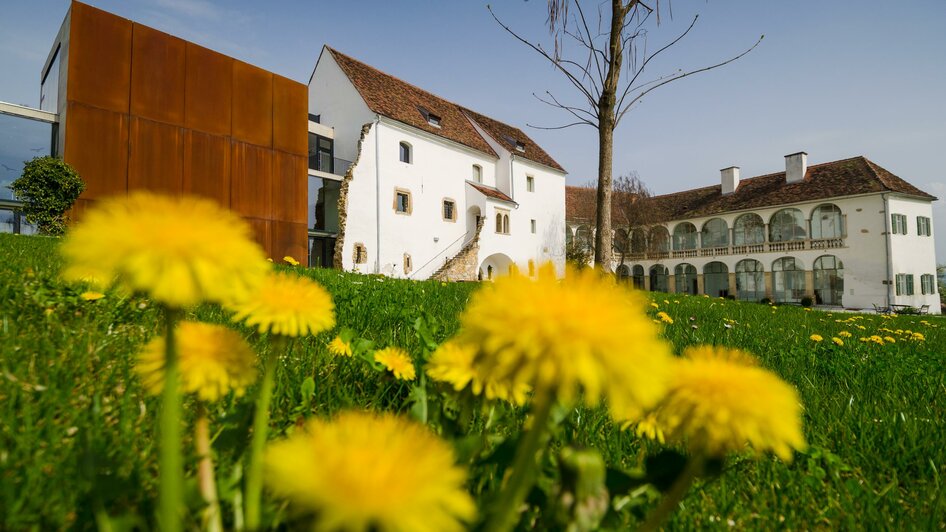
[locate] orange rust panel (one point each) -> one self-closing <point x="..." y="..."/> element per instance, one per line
<point x="99" y="70"/>
<point x="209" y="90"/>
<point x="252" y="116"/>
<point x="290" y="187"/>
<point x="290" y="116"/>
<point x="157" y="76"/>
<point x="97" y="146"/>
<point x="262" y="234"/>
<point x="207" y="166"/>
<point x="290" y="239"/>
<point x="251" y="181"/>
<point x="79" y="209"/>
<point x="156" y="157"/>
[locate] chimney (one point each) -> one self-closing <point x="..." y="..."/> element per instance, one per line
<point x="796" y="166"/>
<point x="730" y="179"/>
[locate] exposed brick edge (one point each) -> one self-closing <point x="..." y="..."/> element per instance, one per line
<point x="337" y="256"/>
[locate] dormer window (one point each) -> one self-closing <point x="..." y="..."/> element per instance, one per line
<point x="520" y="146"/>
<point x="431" y="118"/>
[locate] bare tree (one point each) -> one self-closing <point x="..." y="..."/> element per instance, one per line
<point x="595" y="72"/>
<point x="632" y="210"/>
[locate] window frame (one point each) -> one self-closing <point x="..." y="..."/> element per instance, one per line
<point x="478" y="173"/>
<point x="927" y="284"/>
<point x="533" y="225"/>
<point x="359" y="251"/>
<point x="530" y="183"/>
<point x="405" y="152"/>
<point x="502" y="222"/>
<point x="410" y="201"/>
<point x="924" y="226"/>
<point x="453" y="208"/>
<point x="898" y="224"/>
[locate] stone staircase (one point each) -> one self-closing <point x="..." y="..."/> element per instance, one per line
<point x="463" y="265"/>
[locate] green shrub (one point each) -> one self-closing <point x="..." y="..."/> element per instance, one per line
<point x="47" y="188"/>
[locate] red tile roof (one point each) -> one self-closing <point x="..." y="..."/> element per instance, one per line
<point x="848" y="177"/>
<point x="394" y="98"/>
<point x="507" y="137"/>
<point x="491" y="192"/>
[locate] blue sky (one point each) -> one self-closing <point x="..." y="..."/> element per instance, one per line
<point x="835" y="79"/>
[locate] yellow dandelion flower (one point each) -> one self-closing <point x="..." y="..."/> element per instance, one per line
<point x="291" y="261"/>
<point x="664" y="317"/>
<point x="397" y="361"/>
<point x="92" y="296"/>
<point x="339" y="347"/>
<point x="889" y="340"/>
<point x="364" y="472"/>
<point x="837" y="341"/>
<point x="844" y="334"/>
<point x="706" y="405"/>
<point x="655" y="305"/>
<point x="816" y="337"/>
<point x="287" y="304"/>
<point x="877" y="339"/>
<point x="453" y="363"/>
<point x="528" y="333"/>
<point x="213" y="361"/>
<point x="917" y="336"/>
<point x="649" y="428"/>
<point x="180" y="251"/>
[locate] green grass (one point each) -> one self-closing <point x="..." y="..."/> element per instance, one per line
<point x="76" y="429"/>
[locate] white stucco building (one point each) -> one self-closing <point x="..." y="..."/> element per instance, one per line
<point x="845" y="233"/>
<point x="407" y="184"/>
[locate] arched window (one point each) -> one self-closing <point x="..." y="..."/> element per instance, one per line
<point x="637" y="276"/>
<point x="583" y="235"/>
<point x="827" y="221"/>
<point x="658" y="241"/>
<point x="620" y="241"/>
<point x="685" y="236"/>
<point x="748" y="230"/>
<point x="829" y="280"/>
<point x="750" y="280"/>
<point x="406" y="155"/>
<point x="568" y="236"/>
<point x="786" y="225"/>
<point x="659" y="278"/>
<point x="684" y="277"/>
<point x="638" y="241"/>
<point x="715" y="233"/>
<point x="623" y="273"/>
<point x="506" y="224"/>
<point x="489" y="271"/>
<point x="788" y="280"/>
<point x="499" y="223"/>
<point x="716" y="279"/>
<point x="477" y="173"/>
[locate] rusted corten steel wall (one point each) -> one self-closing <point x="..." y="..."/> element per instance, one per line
<point x="146" y="110"/>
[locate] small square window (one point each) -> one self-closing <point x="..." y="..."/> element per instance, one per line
<point x="449" y="210"/>
<point x="530" y="183"/>
<point x="533" y="226"/>
<point x="402" y="201"/>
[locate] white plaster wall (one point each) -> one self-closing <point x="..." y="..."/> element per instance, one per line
<point x="332" y="95"/>
<point x="361" y="224"/>
<point x="864" y="255"/>
<point x="911" y="253"/>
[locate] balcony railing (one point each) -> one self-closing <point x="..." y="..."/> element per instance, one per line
<point x="329" y="165"/>
<point x="744" y="249"/>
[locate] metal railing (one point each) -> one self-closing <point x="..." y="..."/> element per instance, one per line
<point x="742" y="249"/>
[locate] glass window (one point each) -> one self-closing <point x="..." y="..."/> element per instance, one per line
<point x="405" y="153"/>
<point x="685" y="236"/>
<point x="530" y="183"/>
<point x="402" y="202"/>
<point x="321" y="153"/>
<point x="499" y="223"/>
<point x="715" y="233"/>
<point x="750" y="280"/>
<point x="829" y="280"/>
<point x="21" y="139"/>
<point x="904" y="284"/>
<point x="638" y="241"/>
<point x="49" y="90"/>
<point x="898" y="224"/>
<point x="7" y="221"/>
<point x="323" y="204"/>
<point x="477" y="173"/>
<point x="637" y="276"/>
<point x="826" y="222"/>
<point x="506" y="224"/>
<point x="623" y="273"/>
<point x="659" y="239"/>
<point x="684" y="276"/>
<point x="788" y="280"/>
<point x="449" y="210"/>
<point x="659" y="276"/>
<point x="748" y="230"/>
<point x="786" y="225"/>
<point x="928" y="283"/>
<point x="716" y="279"/>
<point x="620" y="241"/>
<point x="923" y="226"/>
<point x="532" y="223"/>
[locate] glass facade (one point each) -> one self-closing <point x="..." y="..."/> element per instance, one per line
<point x="321" y="154"/>
<point x="49" y="90"/>
<point x="21" y="139"/>
<point x="323" y="204"/>
<point x="12" y="221"/>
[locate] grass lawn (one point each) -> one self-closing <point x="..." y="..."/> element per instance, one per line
<point x="76" y="428"/>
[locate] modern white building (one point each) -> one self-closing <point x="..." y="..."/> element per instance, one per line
<point x="407" y="184"/>
<point x="845" y="234"/>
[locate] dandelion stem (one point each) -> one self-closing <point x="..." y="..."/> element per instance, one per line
<point x="254" y="474"/>
<point x="211" y="519"/>
<point x="170" y="466"/>
<point x="677" y="491"/>
<point x="523" y="468"/>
